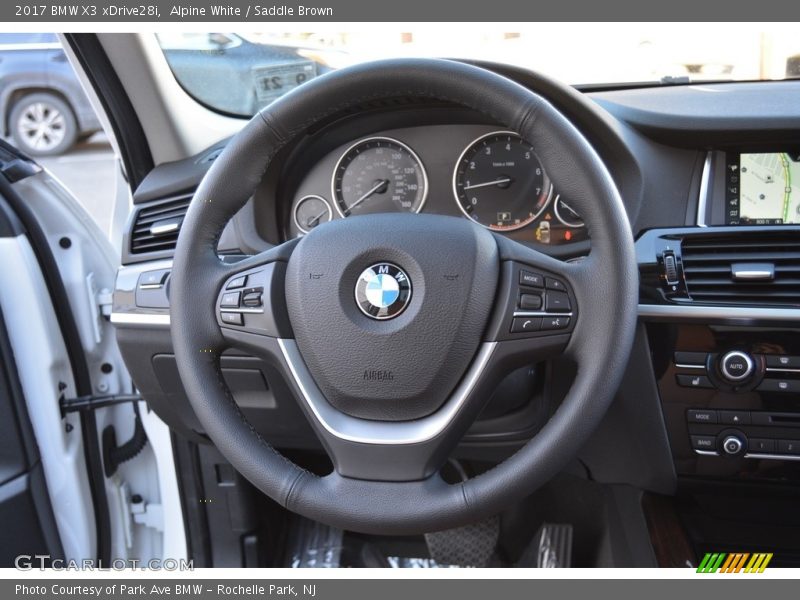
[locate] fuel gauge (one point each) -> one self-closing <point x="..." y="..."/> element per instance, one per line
<point x="566" y="214"/>
<point x="311" y="211"/>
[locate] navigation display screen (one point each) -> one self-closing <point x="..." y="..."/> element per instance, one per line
<point x="762" y="189"/>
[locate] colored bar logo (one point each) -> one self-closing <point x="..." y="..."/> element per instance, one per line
<point x="736" y="562"/>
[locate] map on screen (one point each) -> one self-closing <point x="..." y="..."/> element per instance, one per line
<point x="769" y="188"/>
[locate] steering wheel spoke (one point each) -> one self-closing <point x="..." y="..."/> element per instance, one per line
<point x="537" y="306"/>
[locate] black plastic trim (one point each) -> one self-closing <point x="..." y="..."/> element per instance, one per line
<point x="131" y="140"/>
<point x="187" y="467"/>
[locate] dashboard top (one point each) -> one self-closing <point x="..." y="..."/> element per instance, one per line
<point x="656" y="142"/>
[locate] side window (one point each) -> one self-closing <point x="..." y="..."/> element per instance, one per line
<point x="47" y="115"/>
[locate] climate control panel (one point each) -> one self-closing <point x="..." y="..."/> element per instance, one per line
<point x="738" y="370"/>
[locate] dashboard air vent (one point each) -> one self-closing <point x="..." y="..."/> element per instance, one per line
<point x="743" y="269"/>
<point x="156" y="226"/>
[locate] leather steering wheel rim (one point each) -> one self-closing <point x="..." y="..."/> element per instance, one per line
<point x="605" y="287"/>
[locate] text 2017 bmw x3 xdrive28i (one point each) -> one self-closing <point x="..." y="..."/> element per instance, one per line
<point x="409" y="312"/>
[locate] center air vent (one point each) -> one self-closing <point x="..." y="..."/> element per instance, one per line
<point x="743" y="269"/>
<point x="156" y="226"/>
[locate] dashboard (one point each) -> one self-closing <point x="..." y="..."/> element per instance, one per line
<point x="709" y="178"/>
<point x="479" y="172"/>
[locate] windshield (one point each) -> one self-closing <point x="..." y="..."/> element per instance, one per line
<point x="240" y="73"/>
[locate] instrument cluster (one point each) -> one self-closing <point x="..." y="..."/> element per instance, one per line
<point x="492" y="177"/>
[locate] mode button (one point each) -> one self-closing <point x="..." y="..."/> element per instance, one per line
<point x="701" y="416"/>
<point x="531" y="279"/>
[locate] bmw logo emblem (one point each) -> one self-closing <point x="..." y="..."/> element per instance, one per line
<point x="383" y="291"/>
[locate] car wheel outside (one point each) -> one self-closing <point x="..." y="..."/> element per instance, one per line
<point x="43" y="124"/>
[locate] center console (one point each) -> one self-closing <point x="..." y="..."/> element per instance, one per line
<point x="731" y="398"/>
<point x="721" y="303"/>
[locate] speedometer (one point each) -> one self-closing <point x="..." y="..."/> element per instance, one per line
<point x="499" y="182"/>
<point x="377" y="175"/>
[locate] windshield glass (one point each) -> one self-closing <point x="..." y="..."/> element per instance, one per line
<point x="240" y="73"/>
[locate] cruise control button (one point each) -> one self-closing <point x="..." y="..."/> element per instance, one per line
<point x="530" y="278"/>
<point x="777" y="361"/>
<point x="789" y="446"/>
<point x="237" y="283"/>
<point x="231" y="318"/>
<point x="530" y="301"/>
<point x="761" y="445"/>
<point x="252" y="298"/>
<point x="230" y="300"/>
<point x="696" y="381"/>
<point x="526" y="324"/>
<point x="556" y="302"/>
<point x="549" y="323"/>
<point x="704" y="442"/>
<point x="554" y="284"/>
<point x="734" y="417"/>
<point x="701" y="416"/>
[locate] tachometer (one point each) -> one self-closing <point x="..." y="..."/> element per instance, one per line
<point x="377" y="175"/>
<point x="499" y="182"/>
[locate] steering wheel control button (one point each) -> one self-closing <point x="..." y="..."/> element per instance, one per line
<point x="259" y="309"/>
<point x="701" y="416"/>
<point x="530" y="301"/>
<point x="383" y="291"/>
<point x="230" y="300"/>
<point x="736" y="366"/>
<point x="734" y="417"/>
<point x="232" y="318"/>
<point x="526" y="324"/>
<point x="531" y="279"/>
<point x="251" y="298"/>
<point x="695" y="381"/>
<point x="732" y="445"/>
<point x="550" y="323"/>
<point x="704" y="442"/>
<point x="554" y="284"/>
<point x="235" y="284"/>
<point x="556" y="302"/>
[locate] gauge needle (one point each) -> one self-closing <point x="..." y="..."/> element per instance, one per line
<point x="488" y="183"/>
<point x="315" y="220"/>
<point x="371" y="191"/>
<point x="570" y="209"/>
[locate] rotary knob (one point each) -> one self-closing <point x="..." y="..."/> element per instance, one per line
<point x="736" y="366"/>
<point x="732" y="445"/>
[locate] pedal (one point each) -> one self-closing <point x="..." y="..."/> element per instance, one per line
<point x="314" y="545"/>
<point x="469" y="546"/>
<point x="551" y="548"/>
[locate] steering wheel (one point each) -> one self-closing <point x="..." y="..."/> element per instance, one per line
<point x="392" y="330"/>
